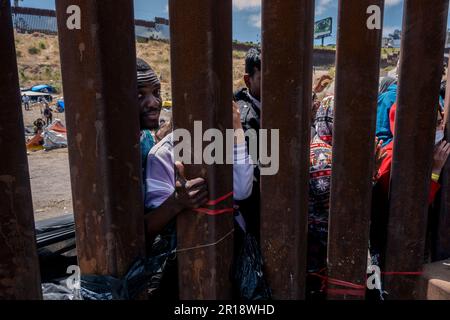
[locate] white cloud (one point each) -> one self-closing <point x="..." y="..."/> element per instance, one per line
<point x="246" y="4"/>
<point x="255" y="20"/>
<point x="392" y="3"/>
<point x="387" y="30"/>
<point x="322" y="6"/>
<point x="166" y="9"/>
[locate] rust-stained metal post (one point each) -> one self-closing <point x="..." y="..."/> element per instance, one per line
<point x="201" y="58"/>
<point x="99" y="77"/>
<point x="357" y="74"/>
<point x="424" y="32"/>
<point x="19" y="265"/>
<point x="287" y="35"/>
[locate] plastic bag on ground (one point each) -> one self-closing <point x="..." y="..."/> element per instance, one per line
<point x="248" y="275"/>
<point x="52" y="291"/>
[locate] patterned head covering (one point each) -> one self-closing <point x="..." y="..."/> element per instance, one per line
<point x="145" y="74"/>
<point x="324" y="120"/>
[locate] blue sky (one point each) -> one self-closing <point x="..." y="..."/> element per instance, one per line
<point x="247" y="13"/>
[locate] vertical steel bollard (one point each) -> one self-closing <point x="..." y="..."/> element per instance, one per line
<point x="19" y="264"/>
<point x="357" y="74"/>
<point x="99" y="76"/>
<point x="287" y="35"/>
<point x="201" y="61"/>
<point x="424" y="31"/>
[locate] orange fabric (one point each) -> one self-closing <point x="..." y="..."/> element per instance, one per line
<point x="35" y="143"/>
<point x="58" y="127"/>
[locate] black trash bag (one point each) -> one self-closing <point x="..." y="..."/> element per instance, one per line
<point x="144" y="274"/>
<point x="248" y="274"/>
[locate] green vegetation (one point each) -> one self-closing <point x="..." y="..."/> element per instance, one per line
<point x="331" y="48"/>
<point x="22" y="75"/>
<point x="238" y="54"/>
<point x="385" y="52"/>
<point x="42" y="46"/>
<point x="332" y="72"/>
<point x="141" y="40"/>
<point x="33" y="50"/>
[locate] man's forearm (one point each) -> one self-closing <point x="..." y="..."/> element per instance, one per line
<point x="157" y="219"/>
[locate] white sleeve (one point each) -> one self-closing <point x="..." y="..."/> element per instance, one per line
<point x="242" y="173"/>
<point x="160" y="176"/>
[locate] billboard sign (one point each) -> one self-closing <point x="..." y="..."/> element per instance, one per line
<point x="323" y="28"/>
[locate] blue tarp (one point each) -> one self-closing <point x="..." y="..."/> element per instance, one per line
<point x="61" y="106"/>
<point x="43" y="88"/>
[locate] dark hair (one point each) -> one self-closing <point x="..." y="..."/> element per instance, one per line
<point x="443" y="89"/>
<point x="252" y="61"/>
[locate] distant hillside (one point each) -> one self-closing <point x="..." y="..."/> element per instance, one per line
<point x="38" y="61"/>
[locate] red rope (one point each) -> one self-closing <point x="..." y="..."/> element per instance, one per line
<point x="216" y="212"/>
<point x="351" y="289"/>
<point x="211" y="212"/>
<point x="219" y="200"/>
<point x="346" y="292"/>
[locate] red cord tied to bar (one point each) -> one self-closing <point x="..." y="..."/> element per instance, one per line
<point x="213" y="203"/>
<point x="347" y="288"/>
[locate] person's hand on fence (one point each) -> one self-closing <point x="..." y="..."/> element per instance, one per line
<point x="380" y="154"/>
<point x="190" y="194"/>
<point x="236" y="117"/>
<point x="239" y="136"/>
<point x="164" y="130"/>
<point x="441" y="153"/>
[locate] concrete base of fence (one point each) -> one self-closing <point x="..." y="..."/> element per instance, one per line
<point x="437" y="281"/>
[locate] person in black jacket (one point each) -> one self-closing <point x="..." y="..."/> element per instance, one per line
<point x="249" y="101"/>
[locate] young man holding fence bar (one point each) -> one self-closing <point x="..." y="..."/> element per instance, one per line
<point x="160" y="220"/>
<point x="167" y="191"/>
<point x="194" y="192"/>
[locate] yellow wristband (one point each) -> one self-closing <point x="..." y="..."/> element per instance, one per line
<point x="435" y="177"/>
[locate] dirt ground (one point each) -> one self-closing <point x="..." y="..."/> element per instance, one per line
<point x="49" y="174"/>
<point x="50" y="183"/>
